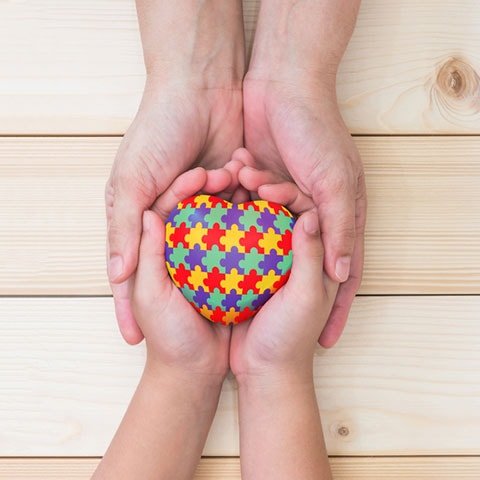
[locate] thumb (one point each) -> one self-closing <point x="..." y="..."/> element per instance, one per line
<point x="124" y="217"/>
<point x="337" y="217"/>
<point x="307" y="268"/>
<point x="152" y="276"/>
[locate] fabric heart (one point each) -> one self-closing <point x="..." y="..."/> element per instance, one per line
<point x="227" y="259"/>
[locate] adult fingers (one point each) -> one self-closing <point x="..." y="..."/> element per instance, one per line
<point x="335" y="201"/>
<point x="127" y="324"/>
<point x="124" y="221"/>
<point x="124" y="207"/>
<point x="346" y="293"/>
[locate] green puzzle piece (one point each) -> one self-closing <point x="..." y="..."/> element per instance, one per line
<point x="283" y="223"/>
<point x="213" y="259"/>
<point x="250" y="220"/>
<point x="183" y="216"/>
<point x="178" y="255"/>
<point x="216" y="299"/>
<point x="251" y="261"/>
<point x="215" y="216"/>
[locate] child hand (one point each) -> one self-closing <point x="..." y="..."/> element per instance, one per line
<point x="284" y="333"/>
<point x="176" y="335"/>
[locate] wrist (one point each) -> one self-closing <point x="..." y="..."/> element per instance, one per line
<point x="274" y="377"/>
<point x="193" y="379"/>
<point x="201" y="43"/>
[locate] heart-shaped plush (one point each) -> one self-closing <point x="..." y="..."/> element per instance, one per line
<point x="227" y="259"/>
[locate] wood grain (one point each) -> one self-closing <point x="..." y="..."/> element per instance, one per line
<point x="402" y="381"/>
<point x="77" y="67"/>
<point x="343" y="468"/>
<point x="423" y="229"/>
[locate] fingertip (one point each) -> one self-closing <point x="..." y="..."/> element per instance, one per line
<point x="310" y="223"/>
<point x="243" y="155"/>
<point x="217" y="180"/>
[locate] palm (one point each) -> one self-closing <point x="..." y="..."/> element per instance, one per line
<point x="260" y="336"/>
<point x="299" y="138"/>
<point x="172" y="132"/>
<point x="178" y="334"/>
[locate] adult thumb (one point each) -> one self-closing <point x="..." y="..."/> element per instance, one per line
<point x="124" y="218"/>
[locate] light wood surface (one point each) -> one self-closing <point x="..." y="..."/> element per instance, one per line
<point x="77" y="67"/>
<point x="423" y="229"/>
<point x="402" y="380"/>
<point x="343" y="468"/>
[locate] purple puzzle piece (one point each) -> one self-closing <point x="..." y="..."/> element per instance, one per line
<point x="201" y="297"/>
<point x="195" y="257"/>
<point x="232" y="260"/>
<point x="270" y="262"/>
<point x="232" y="216"/>
<point x="231" y="300"/>
<point x="199" y="216"/>
<point x="267" y="220"/>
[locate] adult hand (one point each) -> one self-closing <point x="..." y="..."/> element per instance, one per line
<point x="175" y="128"/>
<point x="190" y="114"/>
<point x="298" y="133"/>
<point x="294" y="129"/>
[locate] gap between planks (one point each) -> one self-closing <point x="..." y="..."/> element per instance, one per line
<point x="343" y="468"/>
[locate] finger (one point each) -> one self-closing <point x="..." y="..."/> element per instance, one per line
<point x="336" y="211"/>
<point x="308" y="253"/>
<point x="123" y="310"/>
<point x="217" y="180"/>
<point x="243" y="156"/>
<point x="125" y="206"/>
<point x="234" y="167"/>
<point x="347" y="291"/>
<point x="124" y="211"/>
<point x="184" y="186"/>
<point x="252" y="178"/>
<point x="287" y="194"/>
<point x="151" y="280"/>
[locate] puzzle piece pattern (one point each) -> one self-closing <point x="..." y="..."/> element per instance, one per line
<point x="227" y="259"/>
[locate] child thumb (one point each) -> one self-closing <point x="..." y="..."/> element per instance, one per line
<point x="308" y="252"/>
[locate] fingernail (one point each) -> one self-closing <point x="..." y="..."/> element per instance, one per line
<point x="115" y="267"/>
<point x="342" y="268"/>
<point x="146" y="221"/>
<point x="310" y="224"/>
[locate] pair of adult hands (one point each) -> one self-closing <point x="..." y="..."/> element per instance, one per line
<point x="294" y="132"/>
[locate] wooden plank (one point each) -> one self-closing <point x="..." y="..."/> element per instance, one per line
<point x="343" y="468"/>
<point x="402" y="381"/>
<point x="423" y="231"/>
<point x="76" y="67"/>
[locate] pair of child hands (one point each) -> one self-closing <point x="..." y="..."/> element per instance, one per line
<point x="282" y="336"/>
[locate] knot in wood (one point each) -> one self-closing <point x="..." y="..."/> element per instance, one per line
<point x="343" y="431"/>
<point x="457" y="79"/>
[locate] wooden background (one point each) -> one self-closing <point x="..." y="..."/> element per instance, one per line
<point x="399" y="395"/>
